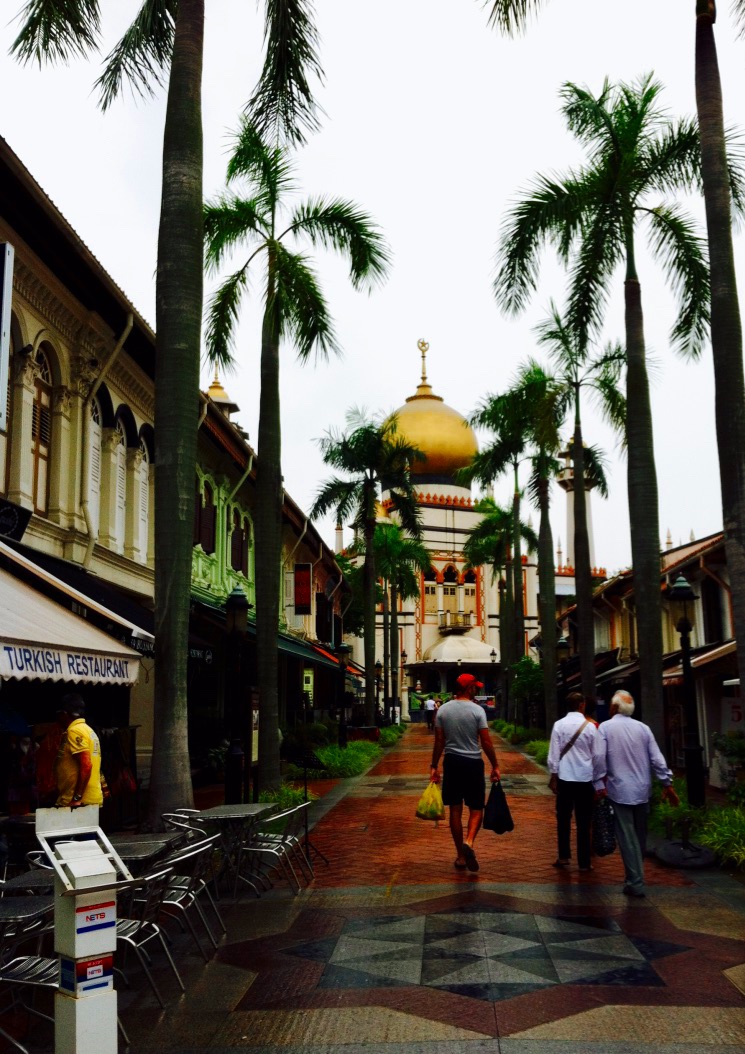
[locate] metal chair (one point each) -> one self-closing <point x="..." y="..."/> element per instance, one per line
<point x="276" y="844"/>
<point x="192" y="870"/>
<point x="141" y="926"/>
<point x="29" y="971"/>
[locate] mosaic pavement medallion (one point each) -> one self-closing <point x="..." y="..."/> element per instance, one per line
<point x="484" y="954"/>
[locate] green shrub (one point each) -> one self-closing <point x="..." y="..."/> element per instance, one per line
<point x="537" y="748"/>
<point x="723" y="831"/>
<point x="499" y="725"/>
<point x="389" y="736"/>
<point x="287" y="796"/>
<point x="730" y="745"/>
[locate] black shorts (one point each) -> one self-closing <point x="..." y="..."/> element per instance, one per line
<point x="463" y="781"/>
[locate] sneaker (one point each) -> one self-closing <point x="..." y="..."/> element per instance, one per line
<point x="631" y="892"/>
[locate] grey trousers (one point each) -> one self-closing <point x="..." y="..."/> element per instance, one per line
<point x="631" y="835"/>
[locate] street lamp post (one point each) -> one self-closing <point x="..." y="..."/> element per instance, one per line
<point x="679" y="595"/>
<point x="493" y="657"/>
<point x="342" y="653"/>
<point x="378" y="672"/>
<point x="239" y="751"/>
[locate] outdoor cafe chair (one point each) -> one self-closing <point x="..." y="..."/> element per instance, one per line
<point x="140" y="926"/>
<point x="273" y="846"/>
<point x="23" y="972"/>
<point x="192" y="871"/>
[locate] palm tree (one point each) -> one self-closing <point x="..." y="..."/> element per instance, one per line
<point x="295" y="310"/>
<point x="591" y="216"/>
<point x="600" y="375"/>
<point x="492" y="542"/>
<point x="726" y="325"/>
<point x="400" y="561"/>
<point x="165" y="43"/>
<point x="374" y="458"/>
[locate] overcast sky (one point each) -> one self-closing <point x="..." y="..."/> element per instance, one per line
<point x="434" y="124"/>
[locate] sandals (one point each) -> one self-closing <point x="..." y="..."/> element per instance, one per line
<point x="471" y="862"/>
<point x="459" y="867"/>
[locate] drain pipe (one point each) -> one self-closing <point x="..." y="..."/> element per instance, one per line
<point x="85" y="463"/>
<point x="244" y="477"/>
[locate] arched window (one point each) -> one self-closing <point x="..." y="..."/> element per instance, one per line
<point x="143" y="521"/>
<point x="41" y="432"/>
<point x="120" y="478"/>
<point x="205" y="519"/>
<point x="94" y="462"/>
<point x="450" y="590"/>
<point x="238" y="543"/>
<point x="469" y="594"/>
<point x="430" y="593"/>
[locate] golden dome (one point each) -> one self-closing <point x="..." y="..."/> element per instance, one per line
<point x="439" y="431"/>
<point x="220" y="397"/>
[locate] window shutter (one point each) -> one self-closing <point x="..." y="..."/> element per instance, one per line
<point x="207" y="525"/>
<point x="144" y="516"/>
<point x="94" y="492"/>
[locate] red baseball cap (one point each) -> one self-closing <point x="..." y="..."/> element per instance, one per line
<point x="467" y="680"/>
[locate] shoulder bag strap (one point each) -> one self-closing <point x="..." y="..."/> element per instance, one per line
<point x="565" y="749"/>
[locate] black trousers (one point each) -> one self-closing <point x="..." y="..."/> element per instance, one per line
<point x="577" y="798"/>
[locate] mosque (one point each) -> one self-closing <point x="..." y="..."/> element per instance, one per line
<point x="454" y="624"/>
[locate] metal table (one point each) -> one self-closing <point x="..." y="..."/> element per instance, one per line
<point x="235" y="824"/>
<point x="137" y="855"/>
<point x="24" y="909"/>
<point x="40" y="880"/>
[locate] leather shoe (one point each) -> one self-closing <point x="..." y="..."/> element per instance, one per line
<point x="631" y="892"/>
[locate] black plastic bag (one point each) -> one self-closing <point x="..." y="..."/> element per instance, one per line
<point x="497" y="816"/>
<point x="603" y="828"/>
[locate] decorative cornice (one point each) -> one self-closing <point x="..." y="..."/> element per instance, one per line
<point x="137" y="388"/>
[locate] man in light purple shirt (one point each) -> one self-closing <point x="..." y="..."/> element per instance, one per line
<point x="627" y="756"/>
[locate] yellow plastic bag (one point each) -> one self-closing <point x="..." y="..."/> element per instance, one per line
<point x="430" y="805"/>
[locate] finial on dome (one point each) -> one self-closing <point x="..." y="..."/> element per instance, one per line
<point x="424" y="348"/>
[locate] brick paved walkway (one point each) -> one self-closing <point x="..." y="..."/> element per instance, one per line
<point x="391" y="950"/>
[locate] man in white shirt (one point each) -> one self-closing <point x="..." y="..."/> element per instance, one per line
<point x="628" y="755"/>
<point x="430" y="708"/>
<point x="570" y="762"/>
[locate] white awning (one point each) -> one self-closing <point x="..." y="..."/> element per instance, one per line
<point x="40" y="640"/>
<point x="459" y="648"/>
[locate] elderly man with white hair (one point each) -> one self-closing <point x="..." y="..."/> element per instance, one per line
<point x="627" y="756"/>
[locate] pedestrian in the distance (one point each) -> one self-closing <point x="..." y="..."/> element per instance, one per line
<point x="571" y="755"/>
<point x="461" y="733"/>
<point x="430" y="709"/>
<point x="78" y="765"/>
<point x="628" y="755"/>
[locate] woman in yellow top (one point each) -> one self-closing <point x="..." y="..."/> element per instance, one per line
<point x="78" y="765"/>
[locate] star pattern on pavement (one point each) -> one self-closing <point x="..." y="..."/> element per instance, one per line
<point x="484" y="954"/>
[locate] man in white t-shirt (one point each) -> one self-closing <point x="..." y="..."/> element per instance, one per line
<point x="430" y="708"/>
<point x="571" y="757"/>
<point x="461" y="733"/>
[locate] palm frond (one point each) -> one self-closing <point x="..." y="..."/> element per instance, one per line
<point x="682" y="252"/>
<point x="57" y="30"/>
<point x="595" y="462"/>
<point x="511" y="16"/>
<point x="592" y="270"/>
<point x="736" y="166"/>
<point x="222" y="315"/>
<point x="606" y="384"/>
<point x="268" y="170"/>
<point x="553" y="212"/>
<point x="142" y="57"/>
<point x="344" y="227"/>
<point x="672" y="160"/>
<point x="228" y="222"/>
<point x="336" y="495"/>
<point x="282" y="106"/>
<point x="301" y="307"/>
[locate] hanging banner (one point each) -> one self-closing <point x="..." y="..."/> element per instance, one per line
<point x="303" y="579"/>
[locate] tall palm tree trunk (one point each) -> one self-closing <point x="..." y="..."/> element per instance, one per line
<point x="517" y="573"/>
<point x="369" y="588"/>
<point x="395" y="655"/>
<point x="386" y="653"/>
<point x="547" y="605"/>
<point x="178" y="325"/>
<point x="507" y="633"/>
<point x="269" y="545"/>
<point x="726" y="325"/>
<point x="643" y="514"/>
<point x="582" y="568"/>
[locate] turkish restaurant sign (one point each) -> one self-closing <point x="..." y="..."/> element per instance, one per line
<point x="302" y="589"/>
<point x="28" y="662"/>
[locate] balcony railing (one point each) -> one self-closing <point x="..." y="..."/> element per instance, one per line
<point x="456" y="621"/>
